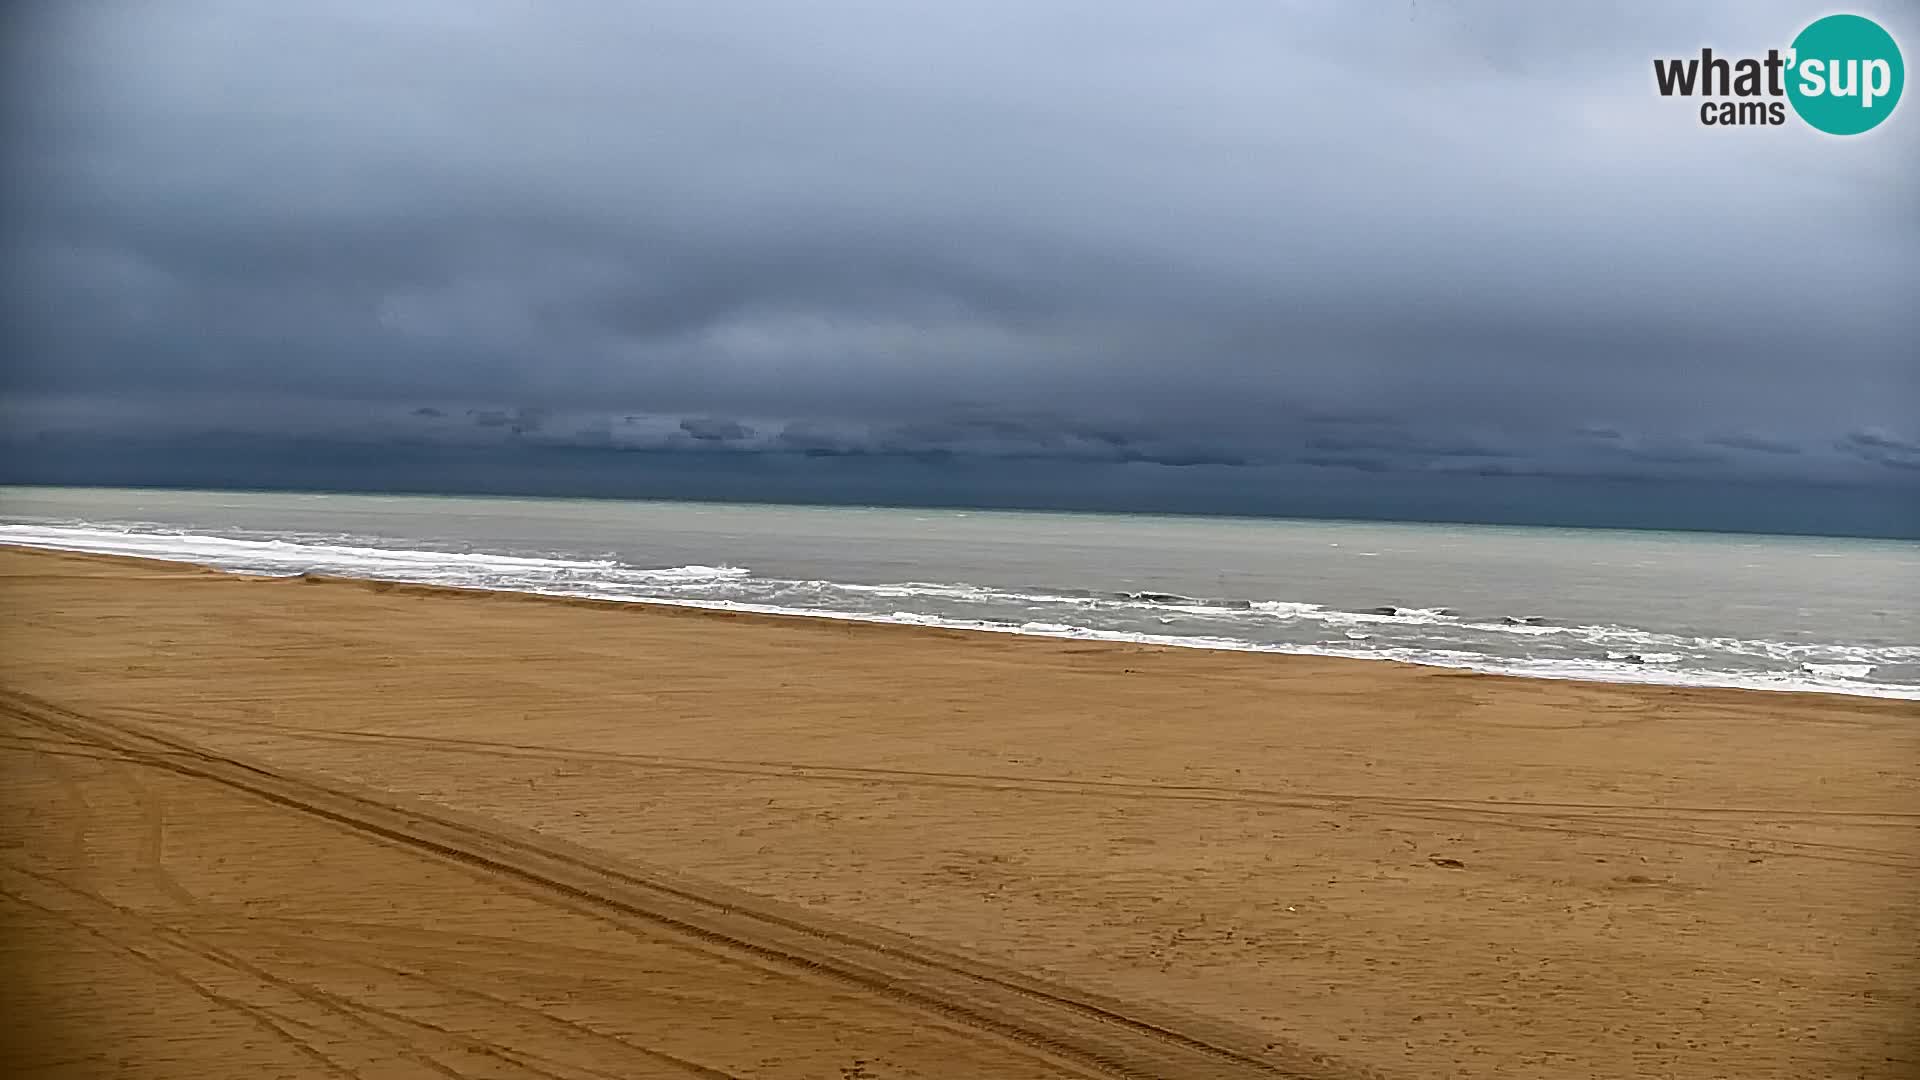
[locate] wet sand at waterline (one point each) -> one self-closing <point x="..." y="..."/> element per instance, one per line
<point x="283" y="827"/>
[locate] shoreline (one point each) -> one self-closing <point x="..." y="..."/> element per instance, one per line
<point x="611" y="835"/>
<point x="1490" y="669"/>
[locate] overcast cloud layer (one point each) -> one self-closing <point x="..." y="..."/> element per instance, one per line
<point x="1277" y="247"/>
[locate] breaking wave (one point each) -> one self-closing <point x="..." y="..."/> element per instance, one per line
<point x="1504" y="643"/>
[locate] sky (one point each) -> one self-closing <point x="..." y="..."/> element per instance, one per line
<point x="1413" y="258"/>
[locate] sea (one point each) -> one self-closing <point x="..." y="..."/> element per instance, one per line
<point x="1788" y="613"/>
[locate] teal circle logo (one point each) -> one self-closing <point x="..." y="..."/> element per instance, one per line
<point x="1845" y="75"/>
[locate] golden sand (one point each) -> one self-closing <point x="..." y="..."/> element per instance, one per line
<point x="279" y="827"/>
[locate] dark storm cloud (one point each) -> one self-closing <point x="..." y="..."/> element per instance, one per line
<point x="1755" y="443"/>
<point x="1878" y="446"/>
<point x="1433" y="239"/>
<point x="964" y="433"/>
<point x="518" y="421"/>
<point x="1360" y="462"/>
<point x="715" y="428"/>
<point x="1671" y="452"/>
<point x="1400" y="437"/>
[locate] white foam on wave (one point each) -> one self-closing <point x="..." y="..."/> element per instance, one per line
<point x="198" y="547"/>
<point x="1518" y="629"/>
<point x="1822" y="668"/>
<point x="296" y="556"/>
<point x="1651" y="646"/>
<point x="1287" y="609"/>
<point x="1291" y="610"/>
<point x="1575" y="670"/>
<point x="1049" y="628"/>
<point x="694" y="573"/>
<point x="1841" y="671"/>
<point x="921" y="590"/>
<point x="1646" y="658"/>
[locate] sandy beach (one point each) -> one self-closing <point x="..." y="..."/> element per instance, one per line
<point x="293" y="827"/>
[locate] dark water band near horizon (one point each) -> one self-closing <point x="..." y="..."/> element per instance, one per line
<point x="1763" y="612"/>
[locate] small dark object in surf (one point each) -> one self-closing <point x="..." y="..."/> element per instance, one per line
<point x="1524" y="620"/>
<point x="1158" y="598"/>
<point x="1450" y="864"/>
<point x="1383" y="610"/>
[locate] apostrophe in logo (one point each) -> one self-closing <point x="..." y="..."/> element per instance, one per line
<point x="1842" y="75"/>
<point x="1845" y="74"/>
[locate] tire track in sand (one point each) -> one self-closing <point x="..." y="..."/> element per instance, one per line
<point x="1093" y="1035"/>
<point x="129" y="930"/>
<point x="1679" y="825"/>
